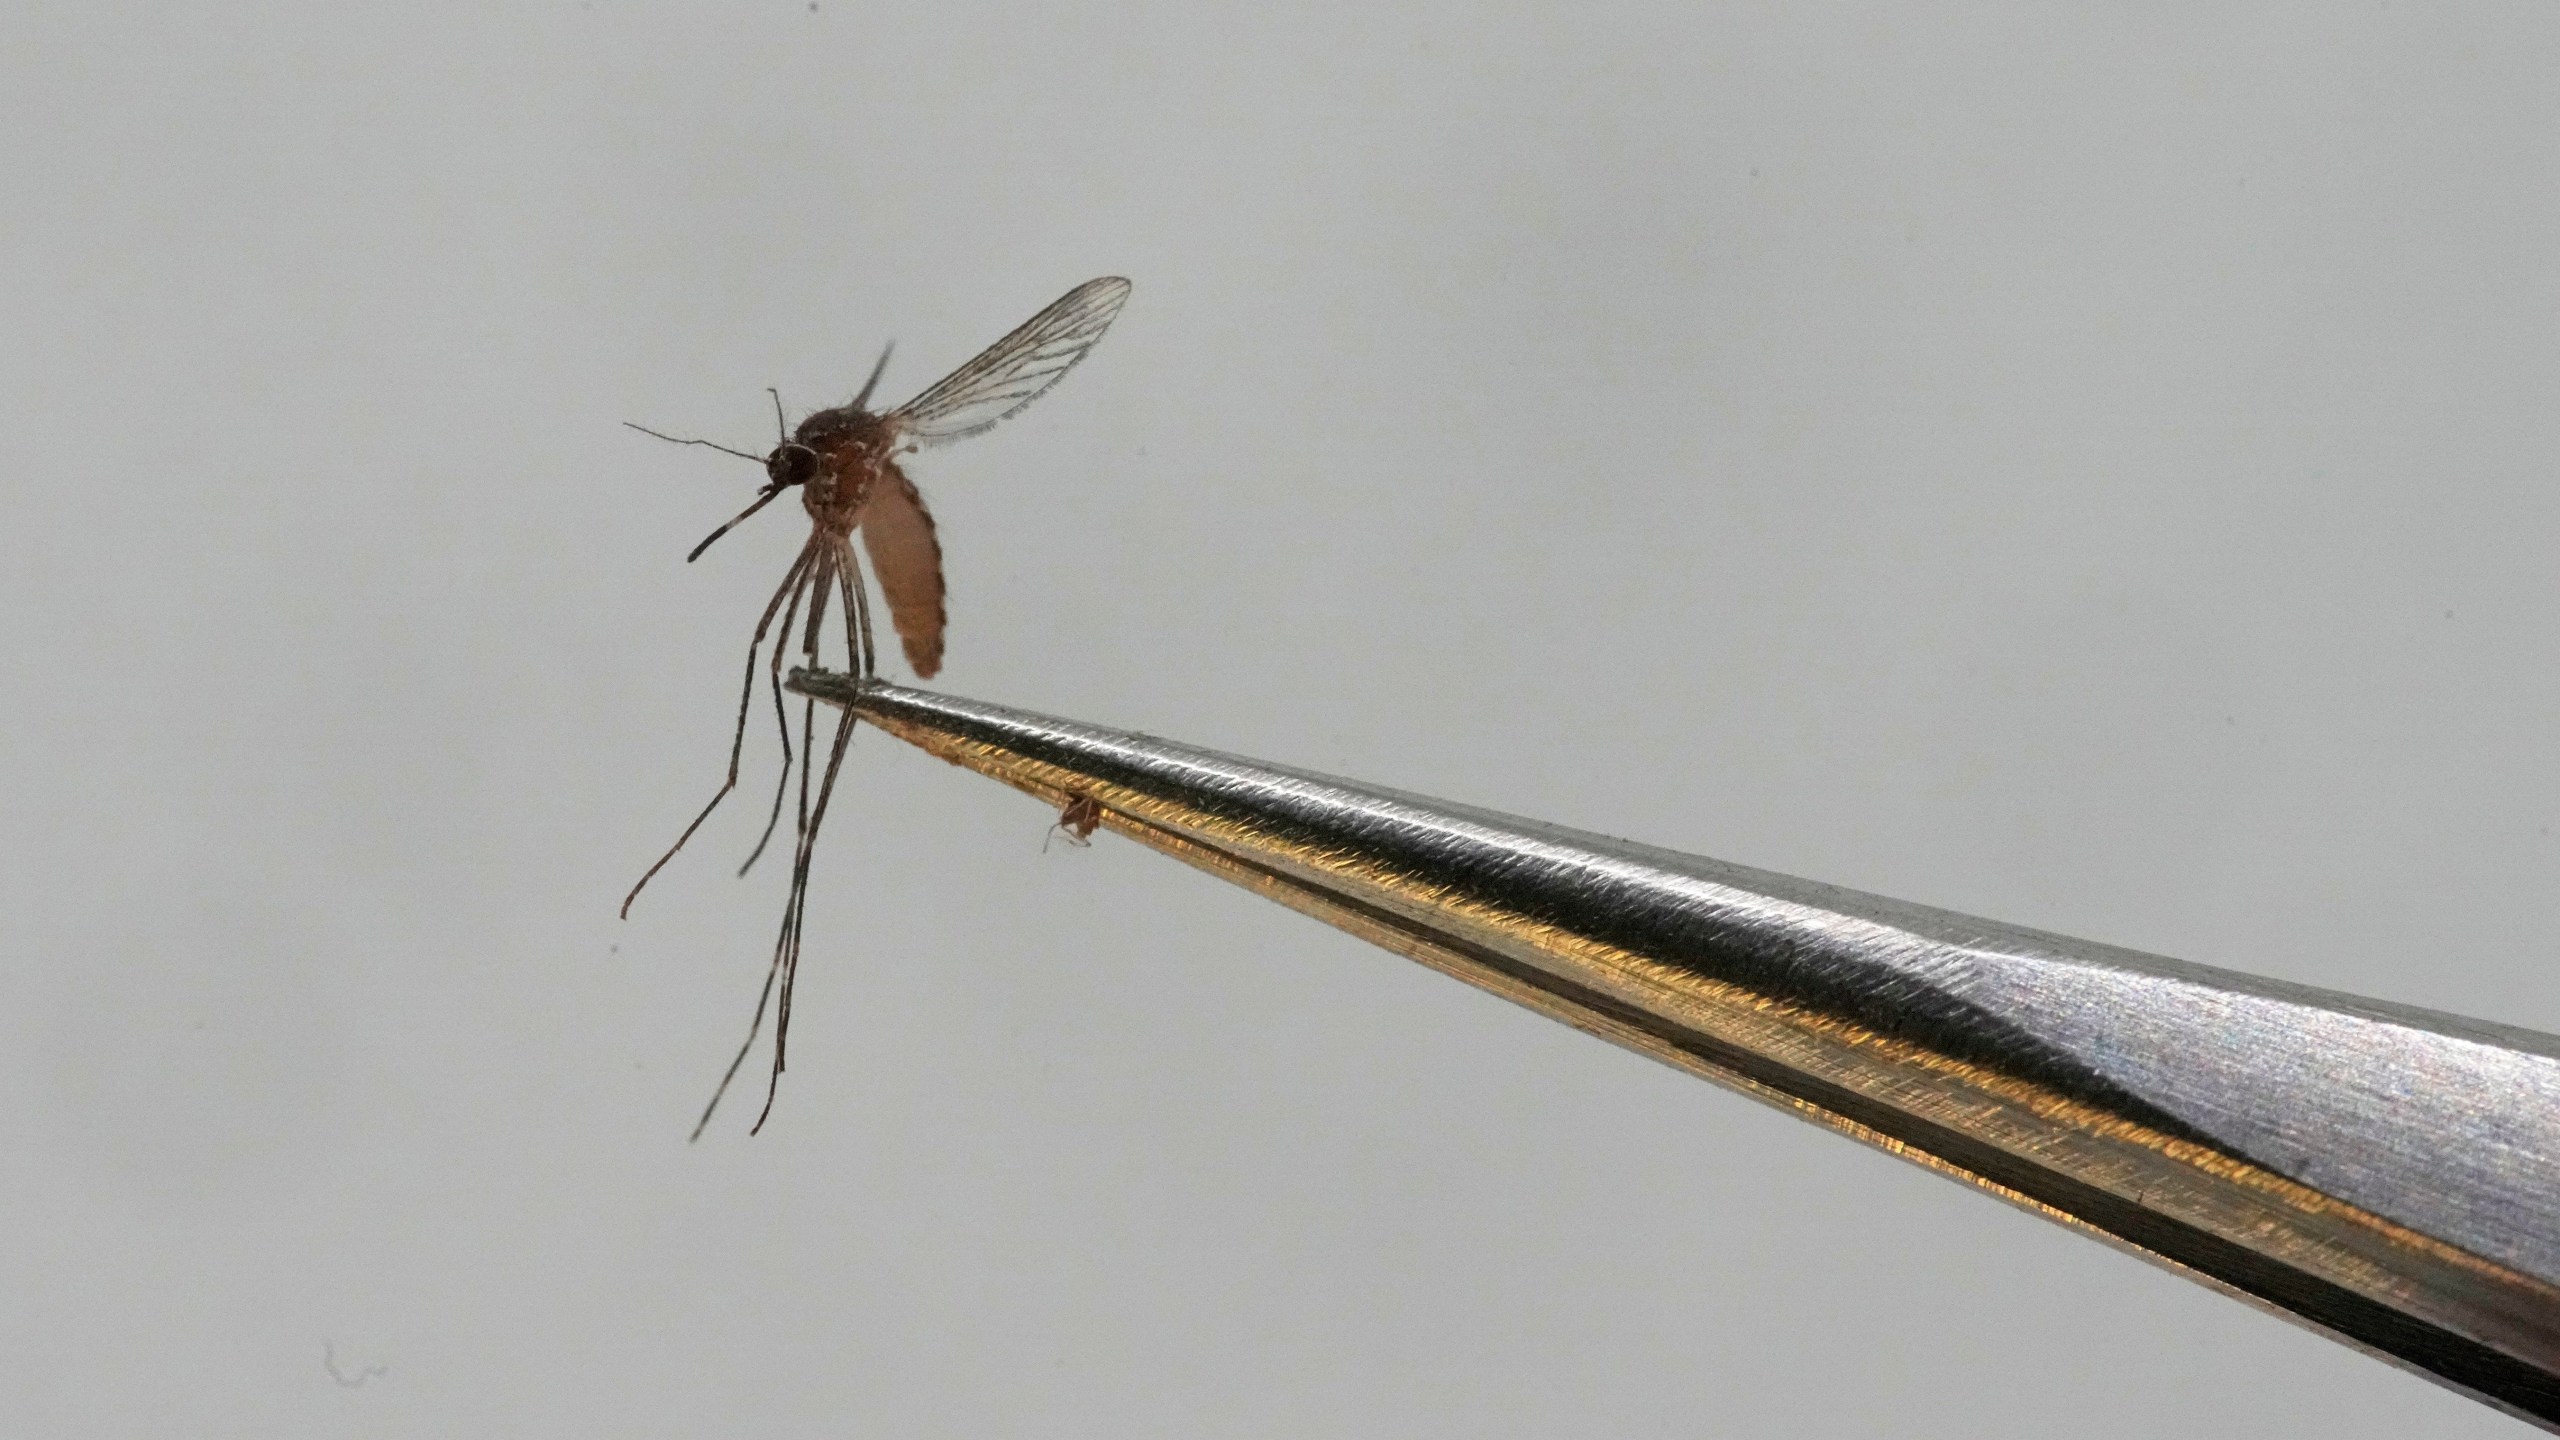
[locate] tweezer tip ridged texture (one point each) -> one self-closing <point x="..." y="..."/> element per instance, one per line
<point x="2383" y="1172"/>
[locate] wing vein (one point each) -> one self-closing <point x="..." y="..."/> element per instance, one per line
<point x="1015" y="370"/>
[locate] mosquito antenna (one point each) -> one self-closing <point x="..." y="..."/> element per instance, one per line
<point x="780" y="427"/>
<point x="764" y="497"/>
<point x="680" y="440"/>
<point x="876" y="371"/>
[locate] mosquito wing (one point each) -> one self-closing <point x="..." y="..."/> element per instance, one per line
<point x="1015" y="370"/>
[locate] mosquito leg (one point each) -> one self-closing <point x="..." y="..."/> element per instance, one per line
<point x="786" y="951"/>
<point x="812" y="585"/>
<point x="857" y="618"/>
<point x="788" y="959"/>
<point x="829" y="562"/>
<point x="809" y="556"/>
<point x="786" y="945"/>
<point x="754" y="1027"/>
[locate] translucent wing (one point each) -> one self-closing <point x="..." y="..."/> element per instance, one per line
<point x="1015" y="370"/>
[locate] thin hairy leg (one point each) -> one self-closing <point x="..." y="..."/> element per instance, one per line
<point x="786" y="946"/>
<point x="800" y="568"/>
<point x="788" y="960"/>
<point x="795" y="915"/>
<point x="857" y="626"/>
<point x="857" y="615"/>
<point x="815" y="586"/>
<point x="829" y="558"/>
<point x="755" y="1025"/>
<point x="786" y="950"/>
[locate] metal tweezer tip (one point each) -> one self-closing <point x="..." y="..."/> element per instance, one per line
<point x="2390" y="1176"/>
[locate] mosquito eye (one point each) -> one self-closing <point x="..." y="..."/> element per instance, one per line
<point x="791" y="465"/>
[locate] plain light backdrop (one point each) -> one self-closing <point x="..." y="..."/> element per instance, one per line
<point x="2089" y="466"/>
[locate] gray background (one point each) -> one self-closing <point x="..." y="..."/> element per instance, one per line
<point x="2084" y="465"/>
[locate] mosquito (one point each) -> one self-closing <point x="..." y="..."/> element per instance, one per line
<point x="1077" y="820"/>
<point x="845" y="463"/>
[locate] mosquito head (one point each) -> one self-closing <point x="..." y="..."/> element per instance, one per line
<point x="791" y="463"/>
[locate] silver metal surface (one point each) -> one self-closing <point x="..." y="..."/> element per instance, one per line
<point x="2386" y="1174"/>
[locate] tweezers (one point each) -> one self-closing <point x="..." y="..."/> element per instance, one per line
<point x="2386" y="1175"/>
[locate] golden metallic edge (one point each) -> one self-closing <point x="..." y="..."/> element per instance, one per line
<point x="2193" y="1183"/>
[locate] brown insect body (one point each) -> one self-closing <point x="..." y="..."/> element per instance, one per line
<point x="1081" y="816"/>
<point x="845" y="463"/>
<point x="1077" y="820"/>
<point x="856" y="482"/>
<point x="852" y="448"/>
